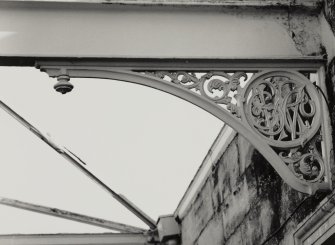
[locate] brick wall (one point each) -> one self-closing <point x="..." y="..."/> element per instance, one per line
<point x="243" y="201"/>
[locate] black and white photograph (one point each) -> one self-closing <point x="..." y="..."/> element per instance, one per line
<point x="167" y="122"/>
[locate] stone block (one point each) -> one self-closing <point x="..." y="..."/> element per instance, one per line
<point x="213" y="234"/>
<point x="235" y="208"/>
<point x="245" y="151"/>
<point x="330" y="13"/>
<point x="199" y="215"/>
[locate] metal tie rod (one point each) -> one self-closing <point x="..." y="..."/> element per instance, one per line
<point x="78" y="163"/>
<point x="70" y="216"/>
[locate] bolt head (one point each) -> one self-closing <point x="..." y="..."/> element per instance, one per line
<point x="63" y="86"/>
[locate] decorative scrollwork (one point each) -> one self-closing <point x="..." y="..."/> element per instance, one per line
<point x="283" y="108"/>
<point x="217" y="86"/>
<point x="306" y="163"/>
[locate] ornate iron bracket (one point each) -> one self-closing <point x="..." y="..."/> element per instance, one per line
<point x="278" y="112"/>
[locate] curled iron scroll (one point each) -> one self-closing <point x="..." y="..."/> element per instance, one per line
<point x="285" y="110"/>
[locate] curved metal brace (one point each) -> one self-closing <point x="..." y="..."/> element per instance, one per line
<point x="153" y="82"/>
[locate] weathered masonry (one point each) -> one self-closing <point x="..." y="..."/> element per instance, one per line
<point x="265" y="68"/>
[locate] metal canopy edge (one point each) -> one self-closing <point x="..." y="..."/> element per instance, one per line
<point x="166" y="63"/>
<point x="256" y="3"/>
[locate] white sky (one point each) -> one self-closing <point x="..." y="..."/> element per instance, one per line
<point x="141" y="142"/>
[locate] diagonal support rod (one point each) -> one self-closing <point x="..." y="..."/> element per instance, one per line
<point x="73" y="159"/>
<point x="76" y="239"/>
<point x="70" y="215"/>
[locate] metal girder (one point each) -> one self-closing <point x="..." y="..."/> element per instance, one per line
<point x="77" y="162"/>
<point x="75" y="239"/>
<point x="189" y="3"/>
<point x="304" y="62"/>
<point x="277" y="111"/>
<point x="70" y="216"/>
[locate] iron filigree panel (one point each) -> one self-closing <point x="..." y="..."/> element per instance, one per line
<point x="284" y="108"/>
<point x="216" y="86"/>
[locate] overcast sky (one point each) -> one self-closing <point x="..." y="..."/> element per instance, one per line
<point x="141" y="142"/>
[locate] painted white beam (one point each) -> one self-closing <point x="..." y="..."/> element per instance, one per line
<point x="266" y="3"/>
<point x="74" y="239"/>
<point x="70" y="216"/>
<point x="275" y="3"/>
<point x="118" y="31"/>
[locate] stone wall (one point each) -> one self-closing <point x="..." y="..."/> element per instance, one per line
<point x="330" y="13"/>
<point x="244" y="201"/>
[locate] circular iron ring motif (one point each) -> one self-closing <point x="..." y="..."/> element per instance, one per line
<point x="283" y="107"/>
